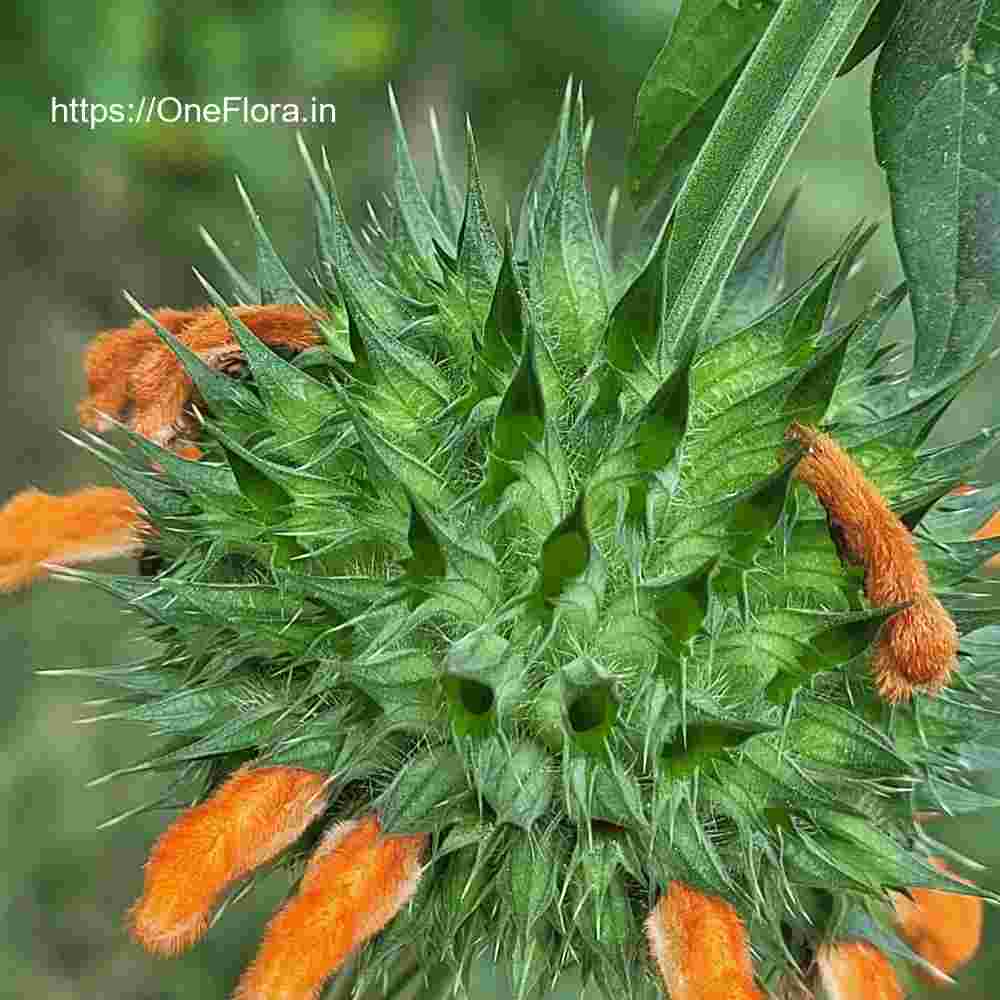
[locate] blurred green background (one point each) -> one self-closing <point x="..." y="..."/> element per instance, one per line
<point x="86" y="213"/>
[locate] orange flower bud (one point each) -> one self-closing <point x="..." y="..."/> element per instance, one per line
<point x="942" y="927"/>
<point x="355" y="883"/>
<point x="109" y="359"/>
<point x="917" y="647"/>
<point x="246" y="822"/>
<point x="36" y="528"/>
<point x="700" y="946"/>
<point x="131" y="373"/>
<point x="857" y="970"/>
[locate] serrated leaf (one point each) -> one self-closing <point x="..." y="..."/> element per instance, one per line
<point x="707" y="42"/>
<point x="936" y="136"/>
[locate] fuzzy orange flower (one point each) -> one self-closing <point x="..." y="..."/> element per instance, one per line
<point x="700" y="946"/>
<point x="918" y="646"/>
<point x="943" y="927"/>
<point x="250" y="819"/>
<point x="133" y="376"/>
<point x="37" y="528"/>
<point x="854" y="970"/>
<point x="355" y="883"/>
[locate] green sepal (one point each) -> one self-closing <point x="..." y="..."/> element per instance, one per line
<point x="834" y="737"/>
<point x="602" y="791"/>
<point x="541" y="189"/>
<point x="420" y="225"/>
<point x="503" y="334"/>
<point x="703" y="740"/>
<point x="445" y="199"/>
<point x="757" y="282"/>
<point x="569" y="276"/>
<point x="481" y="677"/>
<point x="681" y="850"/>
<point x="516" y="780"/>
<point x="680" y="605"/>
<point x="229" y="401"/>
<point x="430" y="792"/>
<point x="519" y="424"/>
<point x="244" y="291"/>
<point x="479" y="251"/>
<point x="274" y="280"/>
<point x="534" y="871"/>
<point x="401" y="677"/>
<point x="590" y="704"/>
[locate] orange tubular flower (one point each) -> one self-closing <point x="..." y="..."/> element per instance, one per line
<point x="917" y="647"/>
<point x="942" y="927"/>
<point x="355" y="883"/>
<point x="36" y="528"/>
<point x="856" y="970"/>
<point x="700" y="946"/>
<point x="250" y="819"/>
<point x="132" y="375"/>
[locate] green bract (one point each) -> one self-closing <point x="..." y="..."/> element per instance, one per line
<point x="519" y="565"/>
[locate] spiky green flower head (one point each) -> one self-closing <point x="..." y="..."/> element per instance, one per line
<point x="519" y="568"/>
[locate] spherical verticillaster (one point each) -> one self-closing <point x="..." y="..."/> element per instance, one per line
<point x="570" y="617"/>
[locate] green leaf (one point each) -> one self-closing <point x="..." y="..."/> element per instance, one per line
<point x="754" y="135"/>
<point x="875" y="33"/>
<point x="708" y="41"/>
<point x="937" y="136"/>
